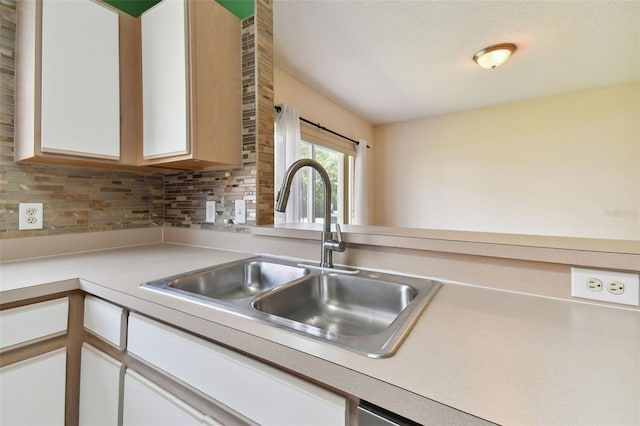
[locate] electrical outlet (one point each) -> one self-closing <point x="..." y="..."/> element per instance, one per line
<point x="210" y="212"/>
<point x="615" y="287"/>
<point x="240" y="212"/>
<point x="622" y="287"/>
<point x="594" y="284"/>
<point x="30" y="216"/>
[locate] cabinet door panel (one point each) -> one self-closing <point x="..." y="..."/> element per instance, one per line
<point x="80" y="79"/>
<point x="164" y="80"/>
<point x="147" y="404"/>
<point x="32" y="392"/>
<point x="100" y="388"/>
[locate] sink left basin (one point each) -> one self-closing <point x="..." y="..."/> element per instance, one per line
<point x="234" y="280"/>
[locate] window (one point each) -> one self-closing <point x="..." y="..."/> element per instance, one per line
<point x="337" y="165"/>
<point x="336" y="156"/>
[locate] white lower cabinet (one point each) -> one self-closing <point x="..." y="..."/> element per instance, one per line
<point x="101" y="380"/>
<point x="261" y="393"/>
<point x="27" y="324"/>
<point x="147" y="404"/>
<point x="32" y="392"/>
<point x="106" y="320"/>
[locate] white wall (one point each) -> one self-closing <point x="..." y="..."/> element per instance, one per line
<point x="316" y="107"/>
<point x="565" y="165"/>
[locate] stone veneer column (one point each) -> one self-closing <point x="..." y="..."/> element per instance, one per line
<point x="265" y="114"/>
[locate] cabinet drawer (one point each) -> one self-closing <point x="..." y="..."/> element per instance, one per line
<point x="33" y="322"/>
<point x="260" y="392"/>
<point x="106" y="320"/>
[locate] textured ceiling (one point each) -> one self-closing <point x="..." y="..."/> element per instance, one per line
<point x="394" y="60"/>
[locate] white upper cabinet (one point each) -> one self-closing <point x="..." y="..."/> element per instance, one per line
<point x="80" y="79"/>
<point x="191" y="86"/>
<point x="77" y="84"/>
<point x="164" y="80"/>
<point x="97" y="87"/>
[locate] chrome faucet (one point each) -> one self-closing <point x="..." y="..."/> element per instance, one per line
<point x="328" y="244"/>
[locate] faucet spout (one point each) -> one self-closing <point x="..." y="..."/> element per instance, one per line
<point x="328" y="244"/>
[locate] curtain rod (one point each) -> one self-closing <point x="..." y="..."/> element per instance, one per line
<point x="278" y="109"/>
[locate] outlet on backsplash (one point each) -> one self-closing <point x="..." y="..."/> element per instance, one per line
<point x="210" y="212"/>
<point x="606" y="286"/>
<point x="240" y="212"/>
<point x="30" y="216"/>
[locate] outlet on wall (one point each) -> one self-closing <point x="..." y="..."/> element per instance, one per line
<point x="210" y="212"/>
<point x="606" y="286"/>
<point x="241" y="213"/>
<point x="30" y="216"/>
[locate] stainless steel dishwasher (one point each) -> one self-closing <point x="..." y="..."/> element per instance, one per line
<point x="371" y="415"/>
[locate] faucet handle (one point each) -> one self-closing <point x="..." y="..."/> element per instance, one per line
<point x="342" y="246"/>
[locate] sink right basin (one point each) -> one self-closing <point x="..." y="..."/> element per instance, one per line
<point x="369" y="313"/>
<point x="340" y="304"/>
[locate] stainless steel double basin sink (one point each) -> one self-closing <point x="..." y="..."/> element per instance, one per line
<point x="363" y="311"/>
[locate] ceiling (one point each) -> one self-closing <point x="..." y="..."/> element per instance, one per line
<point x="395" y="60"/>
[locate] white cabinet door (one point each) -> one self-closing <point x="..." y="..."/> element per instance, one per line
<point x="101" y="380"/>
<point x="32" y="392"/>
<point x="147" y="404"/>
<point x="80" y="79"/>
<point x="164" y="80"/>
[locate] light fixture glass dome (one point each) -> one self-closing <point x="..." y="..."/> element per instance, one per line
<point x="494" y="56"/>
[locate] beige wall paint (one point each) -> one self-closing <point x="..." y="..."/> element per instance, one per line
<point x="565" y="165"/>
<point x="318" y="108"/>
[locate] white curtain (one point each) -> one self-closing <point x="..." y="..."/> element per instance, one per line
<point x="287" y="150"/>
<point x="361" y="185"/>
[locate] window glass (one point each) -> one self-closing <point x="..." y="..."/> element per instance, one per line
<point x="313" y="194"/>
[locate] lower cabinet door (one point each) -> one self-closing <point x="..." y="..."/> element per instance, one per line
<point x="147" y="404"/>
<point x="101" y="381"/>
<point x="32" y="392"/>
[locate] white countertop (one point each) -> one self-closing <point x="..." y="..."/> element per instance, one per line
<point x="505" y="357"/>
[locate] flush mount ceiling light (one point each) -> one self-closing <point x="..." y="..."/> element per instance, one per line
<point x="494" y="56"/>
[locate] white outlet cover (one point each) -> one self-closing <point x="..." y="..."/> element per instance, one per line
<point x="630" y="296"/>
<point x="30" y="216"/>
<point x="210" y="212"/>
<point x="241" y="213"/>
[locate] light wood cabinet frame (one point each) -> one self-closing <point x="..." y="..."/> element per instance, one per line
<point x="214" y="90"/>
<point x="28" y="116"/>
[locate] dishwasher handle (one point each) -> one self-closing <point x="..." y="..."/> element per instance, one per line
<point x="371" y="415"/>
